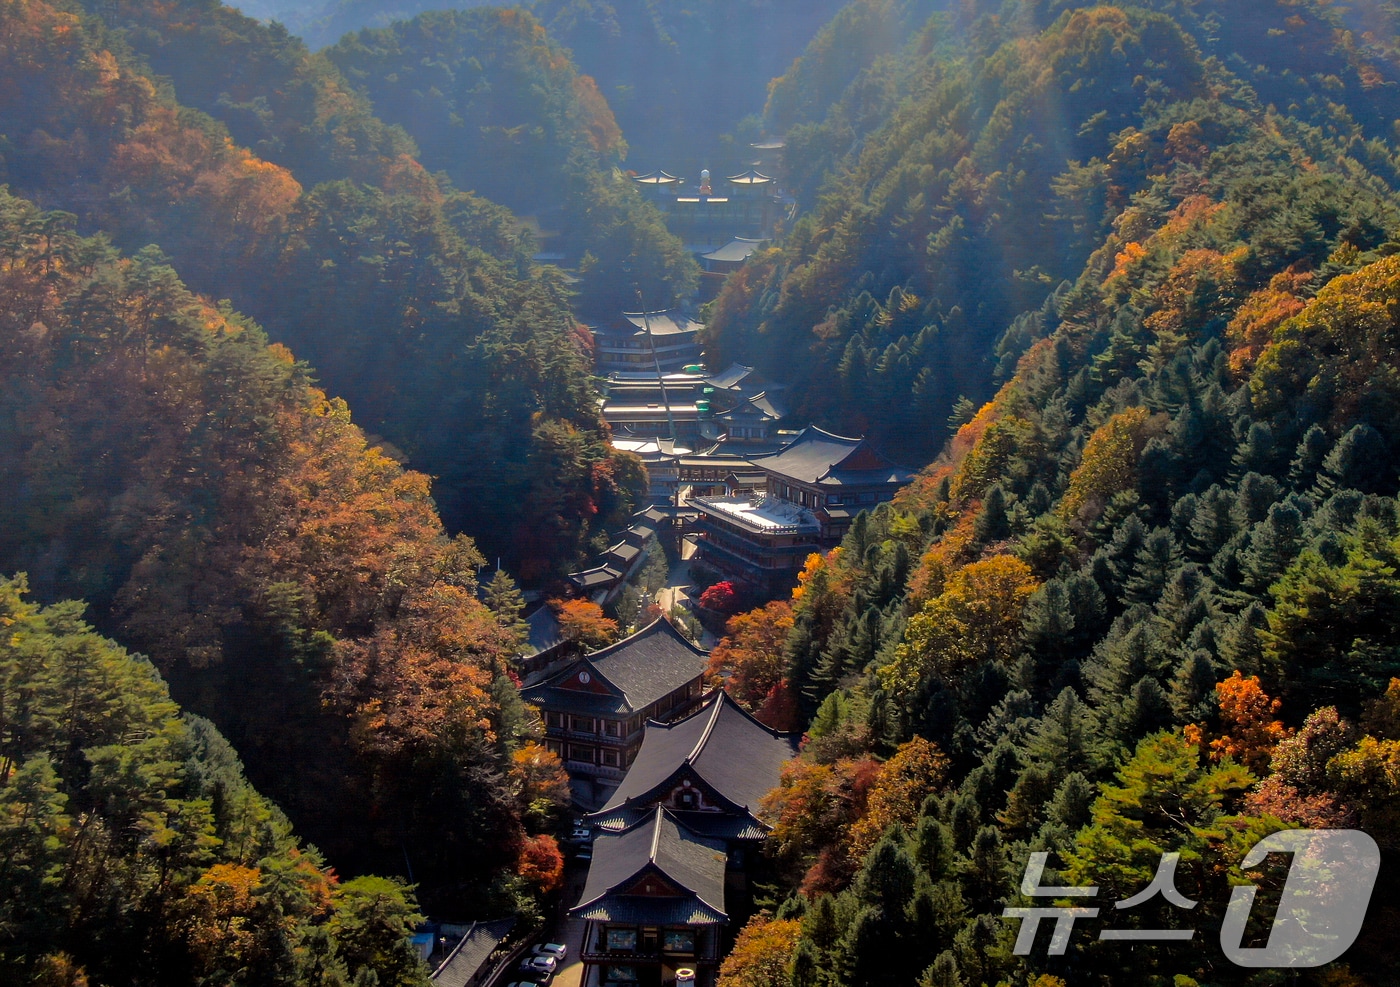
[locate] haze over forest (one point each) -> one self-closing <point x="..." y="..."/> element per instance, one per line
<point x="302" y="415"/>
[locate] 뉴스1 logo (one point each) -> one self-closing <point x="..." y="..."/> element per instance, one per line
<point x="1319" y="915"/>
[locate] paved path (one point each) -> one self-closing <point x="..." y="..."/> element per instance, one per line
<point x="571" y="973"/>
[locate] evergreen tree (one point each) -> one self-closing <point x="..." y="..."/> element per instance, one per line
<point x="503" y="597"/>
<point x="1312" y="449"/>
<point x="992" y="519"/>
<point x="1153" y="567"/>
<point x="1066" y="736"/>
<point x="1273" y="544"/>
<point x="1359" y="461"/>
<point x="932" y="848"/>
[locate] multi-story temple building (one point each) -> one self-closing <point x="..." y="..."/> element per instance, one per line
<point x="596" y="707"/>
<point x="714" y="214"/>
<point x="815" y="486"/>
<point x="625" y="344"/>
<point x="670" y="866"/>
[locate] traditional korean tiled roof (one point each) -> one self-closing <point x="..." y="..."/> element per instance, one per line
<point x="636" y="671"/>
<point x="735" y="251"/>
<point x="733" y="754"/>
<point x="467" y="959"/>
<point x="657" y="845"/>
<point x="756" y="409"/>
<point x="545" y="632"/>
<point x="711" y="825"/>
<point x="817" y="456"/>
<point x="657" y="178"/>
<point x="731" y="376"/>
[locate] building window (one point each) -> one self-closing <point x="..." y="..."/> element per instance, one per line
<point x="610" y="757"/>
<point x="688" y="800"/>
<point x="612" y="728"/>
<point x="581" y="724"/>
<point x="555" y="720"/>
<point x="867" y="498"/>
<point x="622" y="940"/>
<point x="680" y="941"/>
<point x="580" y="752"/>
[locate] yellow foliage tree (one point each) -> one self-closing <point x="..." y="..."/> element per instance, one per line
<point x="976" y="618"/>
<point x="1109" y="463"/>
<point x="761" y="953"/>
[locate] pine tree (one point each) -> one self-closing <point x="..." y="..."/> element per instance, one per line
<point x="1066" y="736"/>
<point x="1359" y="461"/>
<point x="943" y="973"/>
<point x="991" y="522"/>
<point x="1192" y="694"/>
<point x="932" y="848"/>
<point x="985" y="874"/>
<point x="1255" y="495"/>
<point x="1273" y="545"/>
<point x="1213" y="523"/>
<point x="503" y="597"/>
<point x="1308" y="457"/>
<point x="1153" y="567"/>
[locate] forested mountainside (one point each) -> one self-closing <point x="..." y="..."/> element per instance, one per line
<point x="324" y="22"/>
<point x="499" y="107"/>
<point x="224" y="517"/>
<point x="134" y="850"/>
<point x="1144" y="600"/>
<point x="415" y="302"/>
<point x="489" y="99"/>
<point x="682" y="75"/>
<point x="976" y="173"/>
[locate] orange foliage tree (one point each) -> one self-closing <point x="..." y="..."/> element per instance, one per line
<point x="917" y="770"/>
<point x="540" y="863"/>
<point x="976" y="618"/>
<point x="811" y="812"/>
<point x="752" y="652"/>
<point x="1109" y="463"/>
<point x="582" y="622"/>
<point x="1248" y="730"/>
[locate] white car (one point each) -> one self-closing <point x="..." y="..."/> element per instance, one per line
<point x="556" y="949"/>
<point x="539" y="966"/>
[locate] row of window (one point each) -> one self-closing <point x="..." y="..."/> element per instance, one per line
<point x="628" y="939"/>
<point x="606" y="756"/>
<point x="797" y="495"/>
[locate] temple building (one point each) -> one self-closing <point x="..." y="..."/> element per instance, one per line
<point x="654" y="903"/>
<point x="814" y="488"/>
<point x="712" y="214"/>
<point x="623" y="344"/>
<point x="670" y="864"/>
<point x="596" y="707"/>
<point x="710" y="768"/>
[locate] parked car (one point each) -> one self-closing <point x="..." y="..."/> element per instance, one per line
<point x="556" y="949"/>
<point x="539" y="968"/>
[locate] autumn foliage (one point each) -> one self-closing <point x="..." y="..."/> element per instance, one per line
<point x="751" y="653"/>
<point x="761" y="953"/>
<point x="582" y="622"/>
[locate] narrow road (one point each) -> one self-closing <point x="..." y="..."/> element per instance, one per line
<point x="570" y="931"/>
